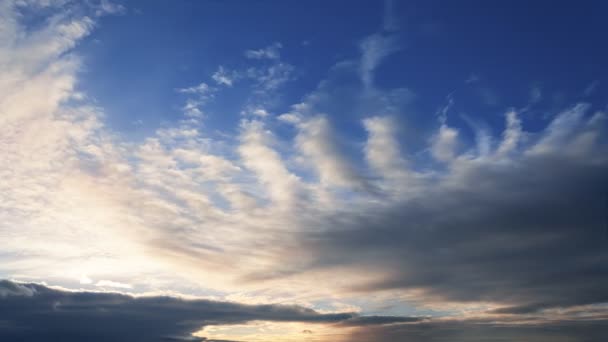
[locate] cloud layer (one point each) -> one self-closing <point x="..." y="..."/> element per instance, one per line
<point x="33" y="312"/>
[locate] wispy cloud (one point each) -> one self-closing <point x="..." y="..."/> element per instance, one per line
<point x="224" y="77"/>
<point x="270" y="52"/>
<point x="374" y="49"/>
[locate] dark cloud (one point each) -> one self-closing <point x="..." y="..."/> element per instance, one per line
<point x="529" y="234"/>
<point x="480" y="331"/>
<point x="33" y="312"/>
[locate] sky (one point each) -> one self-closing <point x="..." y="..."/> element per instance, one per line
<point x="288" y="171"/>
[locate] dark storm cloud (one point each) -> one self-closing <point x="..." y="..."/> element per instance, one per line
<point x="33" y="312"/>
<point x="529" y="234"/>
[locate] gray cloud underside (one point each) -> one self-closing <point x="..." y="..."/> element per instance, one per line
<point x="530" y="235"/>
<point x="476" y="331"/>
<point x="34" y="312"/>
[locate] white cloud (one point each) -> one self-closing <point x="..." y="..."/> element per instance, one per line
<point x="257" y="155"/>
<point x="444" y="143"/>
<point x="272" y="77"/>
<point x="374" y="49"/>
<point x="382" y="148"/>
<point x="201" y="89"/>
<point x="106" y="7"/>
<point x="113" y="284"/>
<point x="192" y="108"/>
<point x="62" y="173"/>
<point x="85" y="280"/>
<point x="317" y="142"/>
<point x="512" y="134"/>
<point x="561" y="129"/>
<point x="260" y="112"/>
<point x="291" y="118"/>
<point x="224" y="77"/>
<point x="483" y="138"/>
<point x="269" y="52"/>
<point x="202" y="94"/>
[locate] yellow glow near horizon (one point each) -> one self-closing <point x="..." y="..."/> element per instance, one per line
<point x="259" y="331"/>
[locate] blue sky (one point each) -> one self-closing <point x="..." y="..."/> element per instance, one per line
<point x="510" y="52"/>
<point x="303" y="170"/>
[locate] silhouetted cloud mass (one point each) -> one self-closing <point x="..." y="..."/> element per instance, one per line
<point x="34" y="312"/>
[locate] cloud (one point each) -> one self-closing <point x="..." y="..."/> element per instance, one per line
<point x="512" y="134"/>
<point x="201" y="89"/>
<point x="30" y="312"/>
<point x="374" y="49"/>
<point x="497" y="230"/>
<point x="272" y="77"/>
<point x="270" y="52"/>
<point x="200" y="95"/>
<point x="445" y="143"/>
<point x="224" y="77"/>
<point x="266" y="78"/>
<point x="267" y="164"/>
<point x="260" y="112"/>
<point x="478" y="331"/>
<point x="106" y="7"/>
<point x="47" y="147"/>
<point x="112" y="284"/>
<point x="561" y="129"/>
<point x="382" y="149"/>
<point x="263" y="80"/>
<point x="317" y="141"/>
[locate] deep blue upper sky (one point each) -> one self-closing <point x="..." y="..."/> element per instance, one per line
<point x="508" y="49"/>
